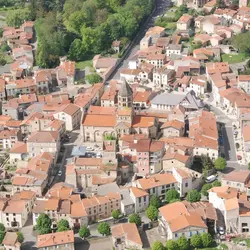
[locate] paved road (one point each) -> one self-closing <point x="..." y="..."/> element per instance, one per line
<point x="161" y="7"/>
<point x="228" y="140"/>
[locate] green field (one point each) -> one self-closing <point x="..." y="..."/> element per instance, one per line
<point x="84" y="64"/>
<point x="236" y="240"/>
<point x="231" y="58"/>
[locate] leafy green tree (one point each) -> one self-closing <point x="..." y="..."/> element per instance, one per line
<point x="196" y="241"/>
<point x="171" y="245"/>
<point x="216" y="183"/>
<point x="20" y="237"/>
<point x="152" y="213"/>
<point x="158" y="246"/>
<point x="240" y="42"/>
<point x="43" y="225"/>
<point x="193" y="196"/>
<point x="205" y="188"/>
<point x="220" y="164"/>
<point x="135" y="218"/>
<point x="75" y="21"/>
<point x="155" y="201"/>
<point x="17" y="17"/>
<point x="171" y="195"/>
<point x="93" y="78"/>
<point x="183" y="243"/>
<point x="62" y="229"/>
<point x="104" y="228"/>
<point x="220" y="3"/>
<point x="116" y="214"/>
<point x="2" y="60"/>
<point x="174" y="200"/>
<point x="2" y="234"/>
<point x="84" y="232"/>
<point x="2" y="227"/>
<point x="63" y="223"/>
<point x="207" y="239"/>
<point x="77" y="51"/>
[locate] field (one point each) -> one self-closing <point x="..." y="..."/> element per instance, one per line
<point x="84" y="64"/>
<point x="231" y="58"/>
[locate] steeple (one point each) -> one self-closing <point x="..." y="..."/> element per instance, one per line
<point x="125" y="95"/>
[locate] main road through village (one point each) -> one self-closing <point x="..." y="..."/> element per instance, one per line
<point x="160" y="8"/>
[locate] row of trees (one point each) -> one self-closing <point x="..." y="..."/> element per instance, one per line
<point x="196" y="241"/>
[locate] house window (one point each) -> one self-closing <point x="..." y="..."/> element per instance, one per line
<point x="186" y="184"/>
<point x="175" y="235"/>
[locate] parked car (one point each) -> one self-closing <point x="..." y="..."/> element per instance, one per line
<point x="211" y="178"/>
<point x="59" y="173"/>
<point x="89" y="149"/>
<point x="239" y="157"/>
<point x="221" y="231"/>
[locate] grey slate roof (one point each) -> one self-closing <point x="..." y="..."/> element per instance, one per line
<point x="125" y="90"/>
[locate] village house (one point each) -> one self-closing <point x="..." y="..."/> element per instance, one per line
<point x="127" y="235"/>
<point x="203" y="128"/>
<point x="184" y="22"/>
<point x="70" y="114"/>
<point x="140" y="199"/>
<point x="10" y="241"/>
<point x="244" y="83"/>
<point x="162" y="77"/>
<point x="62" y="240"/>
<point x="198" y="84"/>
<point x="43" y="141"/>
<point x="8" y="138"/>
<point x="175" y="220"/>
<point x="173" y="128"/>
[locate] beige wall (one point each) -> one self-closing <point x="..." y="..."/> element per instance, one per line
<point x="69" y="246"/>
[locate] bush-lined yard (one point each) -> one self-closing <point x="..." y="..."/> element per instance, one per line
<point x="231" y="58"/>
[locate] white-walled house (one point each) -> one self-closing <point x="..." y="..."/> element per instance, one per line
<point x="140" y="198"/>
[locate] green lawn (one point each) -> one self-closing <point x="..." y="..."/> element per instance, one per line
<point x="170" y="26"/>
<point x="84" y="64"/>
<point x="230" y="58"/>
<point x="8" y="59"/>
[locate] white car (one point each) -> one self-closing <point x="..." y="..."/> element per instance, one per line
<point x="211" y="178"/>
<point x="59" y="173"/>
<point x="89" y="149"/>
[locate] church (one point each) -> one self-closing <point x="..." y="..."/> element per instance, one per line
<point x="99" y="122"/>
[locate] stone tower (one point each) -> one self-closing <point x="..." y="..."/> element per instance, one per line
<point x="125" y="95"/>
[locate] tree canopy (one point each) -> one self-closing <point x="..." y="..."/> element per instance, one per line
<point x="63" y="223"/>
<point x="135" y="218"/>
<point x="171" y="194"/>
<point x="171" y="245"/>
<point x="43" y="225"/>
<point x="116" y="214"/>
<point x="93" y="78"/>
<point x="240" y="41"/>
<point x="20" y="237"/>
<point x="183" y="243"/>
<point x="152" y="213"/>
<point x="104" y="228"/>
<point x="196" y="241"/>
<point x="84" y="232"/>
<point x="220" y="164"/>
<point x="158" y="246"/>
<point x="193" y="196"/>
<point x="207" y="239"/>
<point x="155" y="201"/>
<point x="205" y="188"/>
<point x="16" y="18"/>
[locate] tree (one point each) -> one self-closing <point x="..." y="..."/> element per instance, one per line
<point x="116" y="214"/>
<point x="155" y="201"/>
<point x="135" y="218"/>
<point x="174" y="200"/>
<point x="205" y="188"/>
<point x="171" y="245"/>
<point x="171" y="195"/>
<point x="220" y="3"/>
<point x="207" y="164"/>
<point x="93" y="78"/>
<point x="220" y="164"/>
<point x="216" y="183"/>
<point x="17" y="17"/>
<point x="84" y="232"/>
<point x="196" y="241"/>
<point x="2" y="60"/>
<point x="152" y="213"/>
<point x="158" y="246"/>
<point x="2" y="227"/>
<point x="104" y="228"/>
<point x="2" y="234"/>
<point x="43" y="224"/>
<point x="207" y="239"/>
<point x="193" y="196"/>
<point x="20" y="237"/>
<point x="77" y="51"/>
<point x="62" y="229"/>
<point x="183" y="243"/>
<point x="240" y="42"/>
<point x="63" y="223"/>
